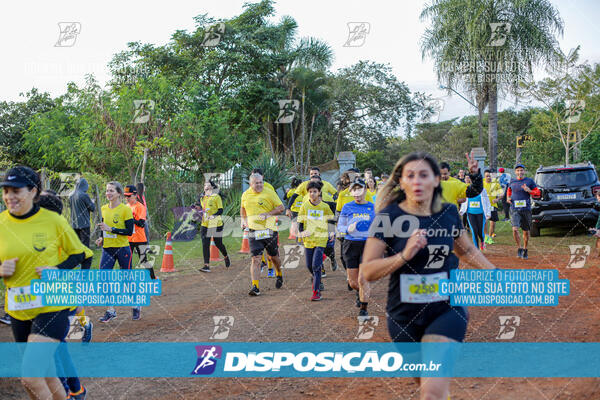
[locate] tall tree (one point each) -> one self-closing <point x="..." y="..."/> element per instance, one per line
<point x="488" y="46"/>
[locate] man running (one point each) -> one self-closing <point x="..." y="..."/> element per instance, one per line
<point x="504" y="180"/>
<point x="518" y="195"/>
<point x="456" y="192"/>
<point x="258" y="210"/>
<point x="81" y="207"/>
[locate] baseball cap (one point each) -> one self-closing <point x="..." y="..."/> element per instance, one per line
<point x="501" y="170"/>
<point x="130" y="190"/>
<point x="354" y="170"/>
<point x="358" y="182"/>
<point x="21" y="176"/>
<point x="519" y="166"/>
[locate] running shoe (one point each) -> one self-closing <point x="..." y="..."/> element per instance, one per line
<point x="482" y="247"/>
<point x="316" y="296"/>
<point x="333" y="265"/>
<point x="108" y="315"/>
<point x="350" y="287"/>
<point x="489" y="240"/>
<point x="524" y="254"/>
<point x="323" y="273"/>
<point x="6" y="319"/>
<point x="321" y="286"/>
<point x="136" y="313"/>
<point x="87" y="332"/>
<point x="206" y="268"/>
<point x="227" y="262"/>
<point x="254" y="291"/>
<point x="520" y="253"/>
<point x="79" y="396"/>
<point x="279" y="282"/>
<point x="493" y="235"/>
<point x="363" y="313"/>
<point x="271" y="273"/>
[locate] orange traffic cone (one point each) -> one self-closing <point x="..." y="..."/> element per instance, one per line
<point x="214" y="251"/>
<point x="245" y="245"/>
<point x="167" y="262"/>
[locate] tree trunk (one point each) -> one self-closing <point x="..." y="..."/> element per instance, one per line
<point x="493" y="126"/>
<point x="312" y="124"/>
<point x="480" y="108"/>
<point x="293" y="144"/>
<point x="302" y="136"/>
<point x="567" y="150"/>
<point x="144" y="165"/>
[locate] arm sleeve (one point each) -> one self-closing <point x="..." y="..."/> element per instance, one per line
<point x="343" y="222"/>
<point x="89" y="203"/>
<point x="72" y="261"/>
<point x="139" y="222"/>
<point x="219" y="211"/>
<point x="487" y="207"/>
<point x="291" y="201"/>
<point x="536" y="192"/>
<point x="476" y="186"/>
<point x="463" y="207"/>
<point x="128" y="231"/>
<point x="509" y="192"/>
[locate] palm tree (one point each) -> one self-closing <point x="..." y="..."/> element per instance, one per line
<point x="487" y="46"/>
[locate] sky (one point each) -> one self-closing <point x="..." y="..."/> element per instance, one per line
<point x="30" y="30"/>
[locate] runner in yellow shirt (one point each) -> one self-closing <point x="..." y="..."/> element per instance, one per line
<point x="258" y="210"/>
<point x="31" y="240"/>
<point x="456" y="192"/>
<point x="495" y="194"/>
<point x="314" y="229"/>
<point x="212" y="224"/>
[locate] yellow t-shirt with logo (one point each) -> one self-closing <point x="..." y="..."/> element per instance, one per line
<point x="345" y="197"/>
<point x="258" y="203"/>
<point x="297" y="202"/>
<point x="210" y="205"/>
<point x="314" y="218"/>
<point x="115" y="218"/>
<point x="452" y="190"/>
<point x="44" y="239"/>
<point x="493" y="190"/>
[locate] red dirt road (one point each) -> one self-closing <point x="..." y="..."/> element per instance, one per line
<point x="190" y="299"/>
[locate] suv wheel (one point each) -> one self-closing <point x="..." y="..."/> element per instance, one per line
<point x="535" y="230"/>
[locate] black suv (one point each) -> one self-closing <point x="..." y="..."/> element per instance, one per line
<point x="567" y="197"/>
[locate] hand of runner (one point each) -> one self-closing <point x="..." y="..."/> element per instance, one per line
<point x="99" y="242"/>
<point x="288" y="213"/>
<point x="7" y="268"/>
<point x="38" y="270"/>
<point x="414" y="244"/>
<point x="304" y="234"/>
<point x="104" y="227"/>
<point x="461" y="200"/>
<point x="352" y="227"/>
<point x="525" y="188"/>
<point x="472" y="163"/>
<point x="263" y="216"/>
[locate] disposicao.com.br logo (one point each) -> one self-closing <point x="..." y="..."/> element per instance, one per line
<point x="369" y="361"/>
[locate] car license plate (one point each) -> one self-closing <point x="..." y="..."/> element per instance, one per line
<point x="566" y="196"/>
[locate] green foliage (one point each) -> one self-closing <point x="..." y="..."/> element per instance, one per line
<point x="376" y="160"/>
<point x="275" y="170"/>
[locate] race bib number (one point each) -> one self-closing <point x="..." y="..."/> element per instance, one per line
<point x="108" y="235"/>
<point x="474" y="204"/>
<point x="315" y="215"/>
<point x="421" y="288"/>
<point x="520" y="203"/>
<point x="264" y="234"/>
<point x="20" y="298"/>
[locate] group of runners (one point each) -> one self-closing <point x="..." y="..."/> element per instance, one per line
<point x="406" y="225"/>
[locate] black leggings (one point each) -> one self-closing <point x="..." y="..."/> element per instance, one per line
<point x="476" y="223"/>
<point x="216" y="234"/>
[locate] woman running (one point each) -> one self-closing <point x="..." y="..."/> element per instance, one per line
<point x="117" y="226"/>
<point x="412" y="258"/>
<point x="138" y="241"/>
<point x="371" y="187"/>
<point x="478" y="210"/>
<point x="33" y="239"/>
<point x="212" y="224"/>
<point x="354" y="222"/>
<point x="313" y="229"/>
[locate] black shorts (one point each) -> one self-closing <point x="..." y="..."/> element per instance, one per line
<point x="54" y="325"/>
<point x="352" y="251"/>
<point x="257" y="246"/>
<point x="520" y="219"/>
<point x="494" y="215"/>
<point x="451" y="324"/>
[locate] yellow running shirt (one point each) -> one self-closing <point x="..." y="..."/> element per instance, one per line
<point x="44" y="239"/>
<point x="259" y="203"/>
<point x="493" y="190"/>
<point x="297" y="202"/>
<point x="210" y="205"/>
<point x="345" y="197"/>
<point x="115" y="218"/>
<point x="326" y="190"/>
<point x="315" y="219"/>
<point x="452" y="190"/>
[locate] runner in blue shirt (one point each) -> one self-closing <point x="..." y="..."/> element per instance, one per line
<point x="354" y="222"/>
<point x="518" y="195"/>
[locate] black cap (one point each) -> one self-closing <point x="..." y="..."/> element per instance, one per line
<point x="21" y="176"/>
<point x="358" y="182"/>
<point x="130" y="190"/>
<point x="354" y="170"/>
